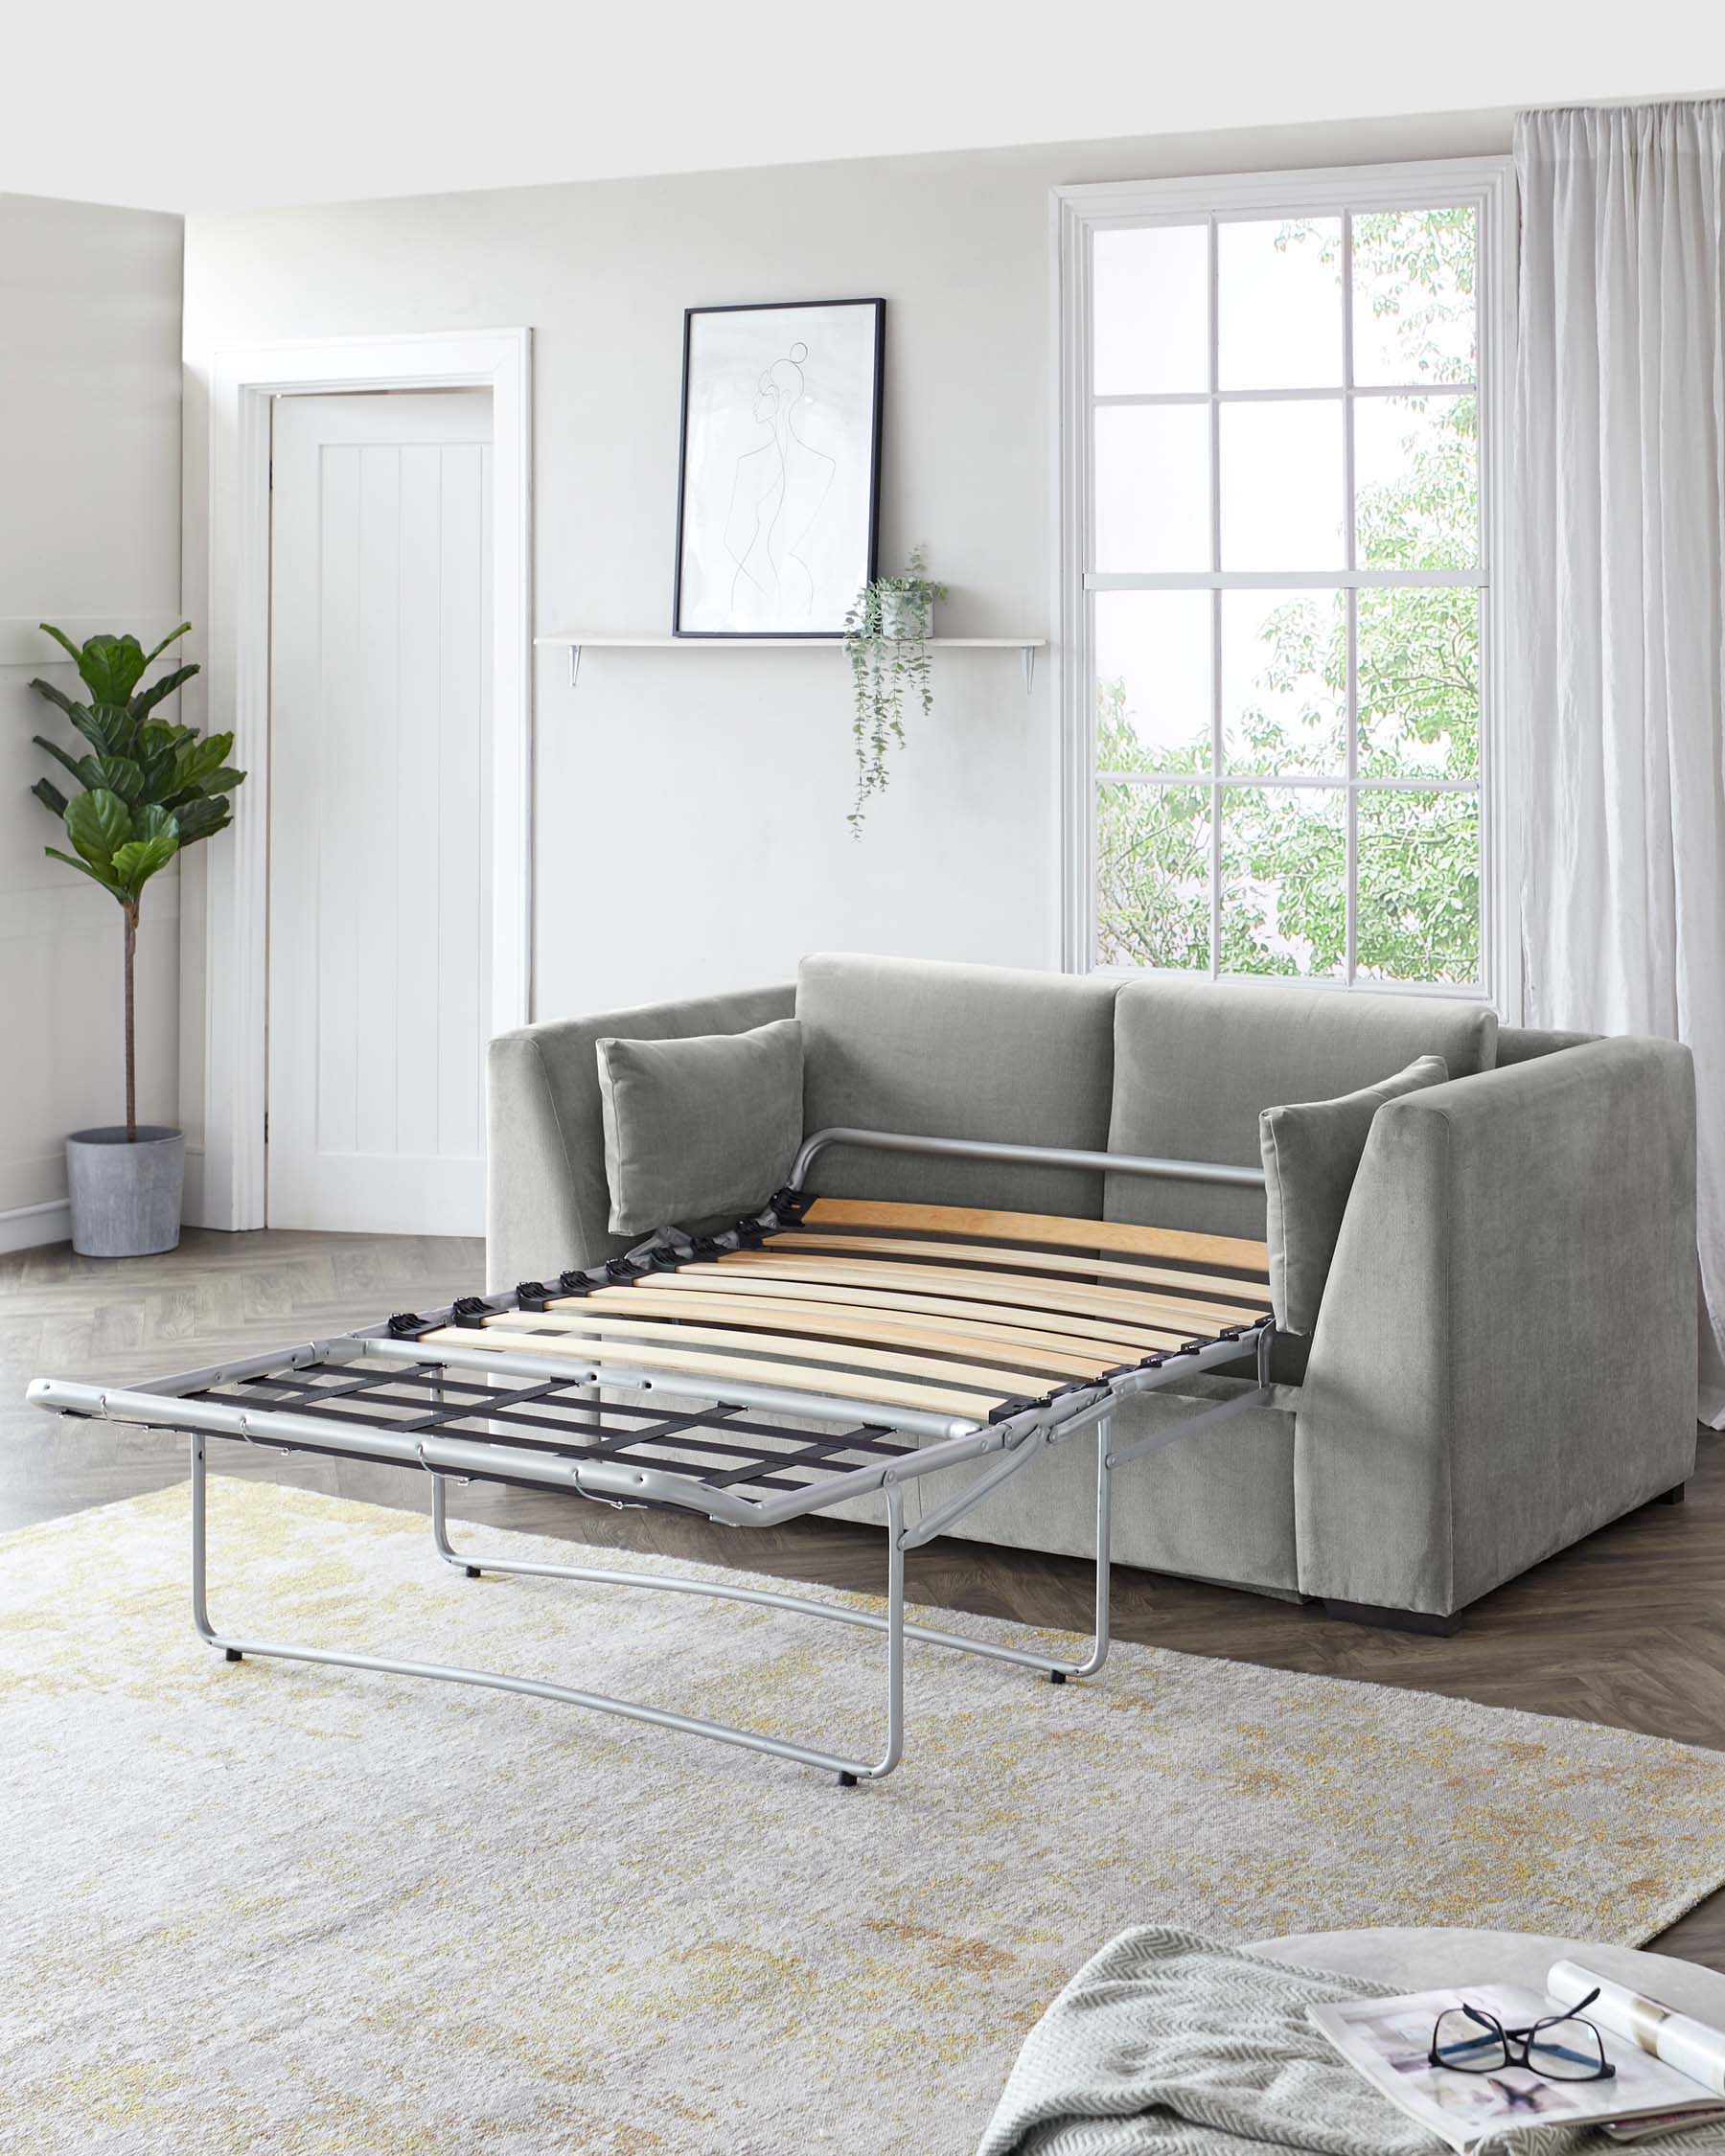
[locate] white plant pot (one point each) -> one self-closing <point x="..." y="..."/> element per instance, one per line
<point x="906" y="617"/>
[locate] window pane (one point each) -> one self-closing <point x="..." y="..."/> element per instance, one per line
<point x="1416" y="482"/>
<point x="1150" y="310"/>
<point x="1278" y="304"/>
<point x="1153" y="498"/>
<point x="1153" y="847"/>
<point x="1420" y="683"/>
<point x="1284" y="681"/>
<point x="1281" y="486"/>
<point x="1413" y="296"/>
<point x="1419" y="886"/>
<point x="1285" y="879"/>
<point x="1153" y="680"/>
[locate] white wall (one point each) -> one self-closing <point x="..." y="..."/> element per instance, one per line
<point x="89" y="539"/>
<point x="691" y="804"/>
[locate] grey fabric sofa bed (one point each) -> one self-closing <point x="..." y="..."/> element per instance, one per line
<point x="1504" y="1358"/>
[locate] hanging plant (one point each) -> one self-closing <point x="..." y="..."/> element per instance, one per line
<point x="886" y="642"/>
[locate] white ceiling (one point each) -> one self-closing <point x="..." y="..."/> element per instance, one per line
<point x="222" y="105"/>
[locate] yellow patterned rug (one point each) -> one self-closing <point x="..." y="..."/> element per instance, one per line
<point x="272" y="1908"/>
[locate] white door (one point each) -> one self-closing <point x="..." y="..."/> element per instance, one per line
<point x="379" y="793"/>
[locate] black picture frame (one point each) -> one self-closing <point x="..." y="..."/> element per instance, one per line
<point x="869" y="562"/>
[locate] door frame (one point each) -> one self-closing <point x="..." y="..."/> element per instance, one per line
<point x="243" y="382"/>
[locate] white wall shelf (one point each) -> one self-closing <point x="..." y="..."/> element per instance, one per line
<point x="1026" y="647"/>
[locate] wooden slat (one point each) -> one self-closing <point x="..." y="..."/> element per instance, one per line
<point x="1112" y="1331"/>
<point x="887" y="1393"/>
<point x="1147" y="1306"/>
<point x="1218" y="1285"/>
<point x="1228" y="1251"/>
<point x="617" y="1326"/>
<point x="1004" y="1343"/>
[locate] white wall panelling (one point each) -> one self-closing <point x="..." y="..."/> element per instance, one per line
<point x="90" y="538"/>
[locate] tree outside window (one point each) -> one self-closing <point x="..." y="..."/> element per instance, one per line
<point x="1288" y="774"/>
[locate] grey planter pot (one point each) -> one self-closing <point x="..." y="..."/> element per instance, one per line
<point x="126" y="1199"/>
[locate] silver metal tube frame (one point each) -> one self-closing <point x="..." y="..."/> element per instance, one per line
<point x="1030" y="1155"/>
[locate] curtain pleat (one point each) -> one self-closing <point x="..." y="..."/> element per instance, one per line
<point x="1617" y="609"/>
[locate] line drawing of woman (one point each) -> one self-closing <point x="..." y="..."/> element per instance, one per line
<point x="777" y="494"/>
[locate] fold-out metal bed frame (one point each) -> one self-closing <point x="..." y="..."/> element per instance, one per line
<point x="822" y="1349"/>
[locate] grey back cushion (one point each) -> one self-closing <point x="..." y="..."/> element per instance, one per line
<point x="957" y="1052"/>
<point x="1522" y="1043"/>
<point x="1196" y="1062"/>
<point x="699" y="1128"/>
<point x="1311" y="1151"/>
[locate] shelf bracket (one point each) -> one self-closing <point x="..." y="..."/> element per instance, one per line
<point x="1029" y="655"/>
<point x="574" y="665"/>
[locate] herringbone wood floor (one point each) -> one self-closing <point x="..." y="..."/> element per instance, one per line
<point x="1628" y="1628"/>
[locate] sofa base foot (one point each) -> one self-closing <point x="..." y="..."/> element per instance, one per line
<point x="1393" y="1620"/>
<point x="1673" y="1496"/>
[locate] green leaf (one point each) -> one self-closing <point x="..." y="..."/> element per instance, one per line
<point x="60" y="637"/>
<point x="118" y="773"/>
<point x="59" y="754"/>
<point x="109" y="730"/>
<point x="111" y="667"/>
<point x="156" y="748"/>
<point x="156" y="822"/>
<point x="162" y="733"/>
<point x="173" y="636"/>
<point x="147" y="699"/>
<point x="108" y="727"/>
<point x="223" y="781"/>
<point x="201" y="818"/>
<point x="198" y="761"/>
<point x="158" y="777"/>
<point x="50" y="796"/>
<point x="97" y="822"/>
<point x="136" y="861"/>
<point x="96" y="875"/>
<point x="55" y="696"/>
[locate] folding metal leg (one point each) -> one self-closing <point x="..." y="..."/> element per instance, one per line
<point x="475" y="1563"/>
<point x="1098" y="1654"/>
<point x="848" y="1770"/>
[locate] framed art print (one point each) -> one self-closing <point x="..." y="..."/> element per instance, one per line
<point x="779" y="474"/>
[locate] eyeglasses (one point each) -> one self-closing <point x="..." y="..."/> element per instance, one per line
<point x="1562" y="2048"/>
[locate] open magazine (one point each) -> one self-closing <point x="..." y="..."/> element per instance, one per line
<point x="1389" y="2041"/>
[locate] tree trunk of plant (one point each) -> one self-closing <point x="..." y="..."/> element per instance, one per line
<point x="132" y="1046"/>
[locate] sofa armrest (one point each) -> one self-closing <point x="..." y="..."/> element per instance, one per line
<point x="546" y="1200"/>
<point x="1504" y="1357"/>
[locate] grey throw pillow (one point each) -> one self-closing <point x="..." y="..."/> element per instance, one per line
<point x="699" y="1129"/>
<point x="1312" y="1154"/>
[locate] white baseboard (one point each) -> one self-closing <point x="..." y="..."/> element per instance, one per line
<point x="26" y="1226"/>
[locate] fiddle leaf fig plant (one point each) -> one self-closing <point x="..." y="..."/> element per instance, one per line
<point x="146" y="787"/>
<point x="886" y="642"/>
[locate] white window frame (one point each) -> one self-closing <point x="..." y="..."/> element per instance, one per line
<point x="1487" y="184"/>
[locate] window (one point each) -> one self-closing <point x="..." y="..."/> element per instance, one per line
<point x="1279" y="538"/>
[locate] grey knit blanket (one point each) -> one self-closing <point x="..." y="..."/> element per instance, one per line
<point x="1169" y="2044"/>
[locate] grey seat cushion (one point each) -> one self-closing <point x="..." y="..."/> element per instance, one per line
<point x="1311" y="1153"/>
<point x="1196" y="1062"/>
<point x="699" y="1127"/>
<point x="957" y="1052"/>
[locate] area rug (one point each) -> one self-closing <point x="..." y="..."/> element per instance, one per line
<point x="273" y="1908"/>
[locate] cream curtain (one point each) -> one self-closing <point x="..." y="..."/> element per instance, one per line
<point x="1618" y="664"/>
